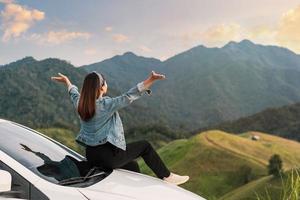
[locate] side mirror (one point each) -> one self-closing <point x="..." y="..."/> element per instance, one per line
<point x="5" y="181"/>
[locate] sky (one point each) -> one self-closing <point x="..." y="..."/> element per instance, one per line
<point x="85" y="32"/>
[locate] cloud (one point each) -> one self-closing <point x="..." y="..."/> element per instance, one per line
<point x="58" y="37"/>
<point x="90" y="51"/>
<point x="17" y="19"/>
<point x="212" y="36"/>
<point x="216" y="35"/>
<point x="120" y="38"/>
<point x="108" y="28"/>
<point x="289" y="28"/>
<point x="164" y="57"/>
<point x="262" y="34"/>
<point x="145" y="48"/>
<point x="284" y="33"/>
<point x="7" y="1"/>
<point x="117" y="37"/>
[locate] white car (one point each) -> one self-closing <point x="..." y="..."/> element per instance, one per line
<point x="34" y="166"/>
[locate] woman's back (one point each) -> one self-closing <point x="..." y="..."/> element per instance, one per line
<point x="106" y="124"/>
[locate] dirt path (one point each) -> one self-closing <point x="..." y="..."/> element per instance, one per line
<point x="234" y="152"/>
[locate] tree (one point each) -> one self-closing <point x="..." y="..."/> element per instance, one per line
<point x="245" y="174"/>
<point x="275" y="165"/>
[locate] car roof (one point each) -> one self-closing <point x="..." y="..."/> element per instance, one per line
<point x="3" y="120"/>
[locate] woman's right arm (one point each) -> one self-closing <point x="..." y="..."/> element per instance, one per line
<point x="134" y="93"/>
<point x="74" y="94"/>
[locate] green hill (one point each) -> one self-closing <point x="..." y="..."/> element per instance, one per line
<point x="218" y="162"/>
<point x="268" y="188"/>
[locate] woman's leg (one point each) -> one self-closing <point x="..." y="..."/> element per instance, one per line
<point x="144" y="149"/>
<point x="100" y="155"/>
<point x="112" y="157"/>
<point x="132" y="166"/>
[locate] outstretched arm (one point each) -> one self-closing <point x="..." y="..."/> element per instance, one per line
<point x="72" y="89"/>
<point x="134" y="93"/>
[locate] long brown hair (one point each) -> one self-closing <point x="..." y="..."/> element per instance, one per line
<point x="88" y="95"/>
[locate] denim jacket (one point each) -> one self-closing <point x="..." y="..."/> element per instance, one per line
<point x="106" y="125"/>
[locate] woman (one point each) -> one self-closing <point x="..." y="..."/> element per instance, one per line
<point x="102" y="131"/>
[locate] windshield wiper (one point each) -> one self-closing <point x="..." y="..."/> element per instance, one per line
<point x="81" y="179"/>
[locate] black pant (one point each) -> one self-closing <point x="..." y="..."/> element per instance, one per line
<point x="110" y="157"/>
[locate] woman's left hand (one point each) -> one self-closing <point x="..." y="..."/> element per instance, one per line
<point x="61" y="78"/>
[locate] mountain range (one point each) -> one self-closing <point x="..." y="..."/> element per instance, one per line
<point x="204" y="86"/>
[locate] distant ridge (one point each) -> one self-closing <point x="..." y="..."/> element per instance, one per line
<point x="282" y="121"/>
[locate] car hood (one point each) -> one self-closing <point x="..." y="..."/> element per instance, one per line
<point x="123" y="184"/>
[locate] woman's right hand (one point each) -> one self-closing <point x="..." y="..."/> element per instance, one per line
<point x="62" y="79"/>
<point x="156" y="76"/>
<point x="152" y="78"/>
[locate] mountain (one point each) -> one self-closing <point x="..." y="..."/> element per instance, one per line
<point x="240" y="79"/>
<point x="282" y="121"/>
<point x="30" y="97"/>
<point x="123" y="71"/>
<point x="206" y="86"/>
<point x="219" y="163"/>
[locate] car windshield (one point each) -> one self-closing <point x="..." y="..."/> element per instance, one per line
<point x="46" y="158"/>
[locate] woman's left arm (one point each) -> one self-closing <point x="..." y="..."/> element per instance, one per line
<point x="72" y="89"/>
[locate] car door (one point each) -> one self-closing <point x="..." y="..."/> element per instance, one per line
<point x="21" y="188"/>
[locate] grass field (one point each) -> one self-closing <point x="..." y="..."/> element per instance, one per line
<point x="215" y="161"/>
<point x="269" y="188"/>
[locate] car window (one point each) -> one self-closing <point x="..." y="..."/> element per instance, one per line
<point x="20" y="187"/>
<point x="39" y="154"/>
